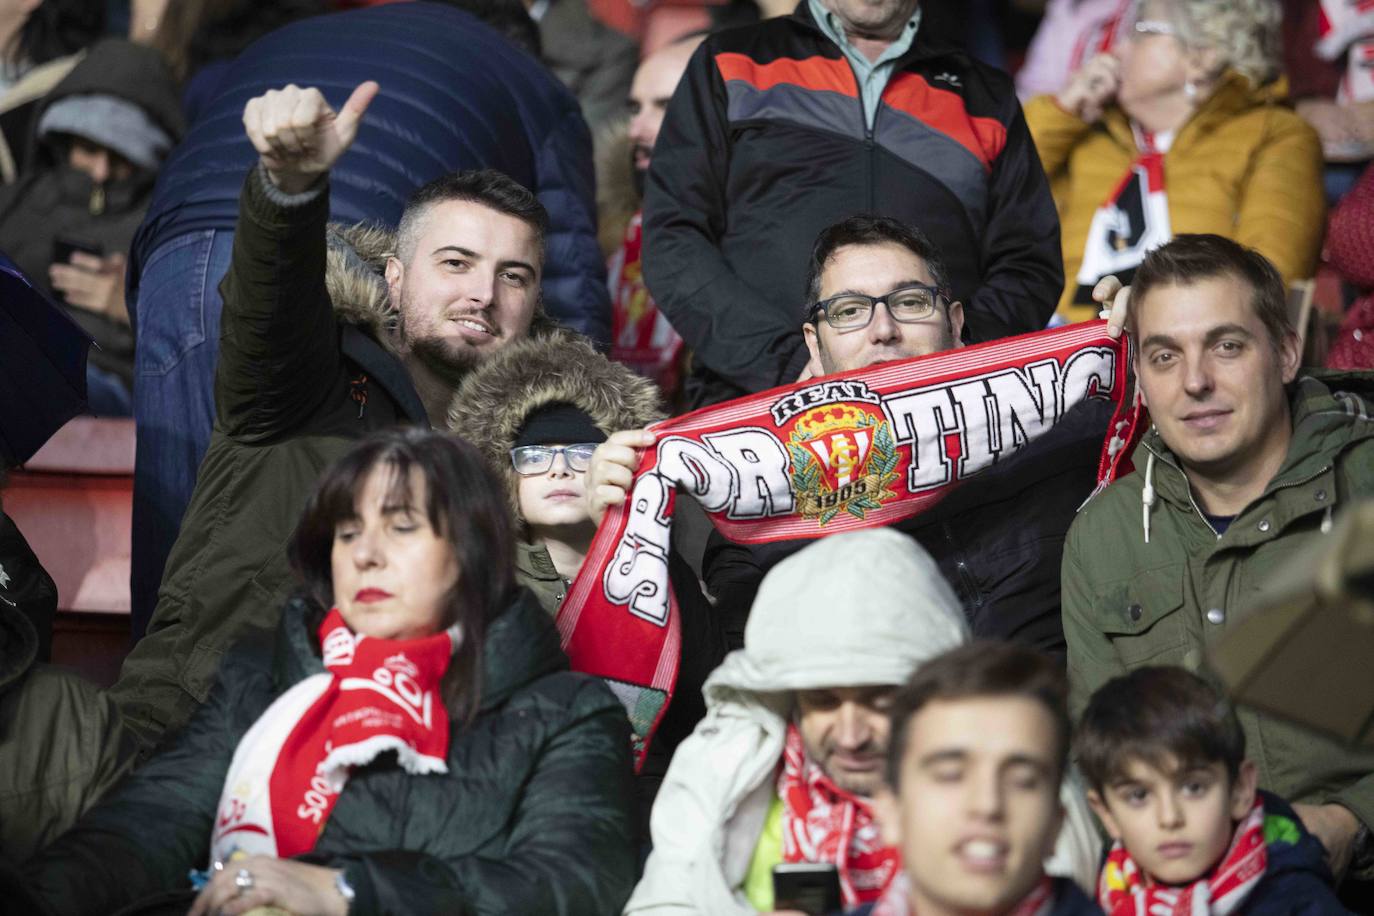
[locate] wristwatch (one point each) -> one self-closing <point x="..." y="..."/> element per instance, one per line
<point x="345" y="889"/>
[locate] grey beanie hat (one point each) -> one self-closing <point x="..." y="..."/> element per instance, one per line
<point x="113" y="122"/>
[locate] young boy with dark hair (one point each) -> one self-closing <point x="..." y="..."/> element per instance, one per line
<point x="1164" y="758"/>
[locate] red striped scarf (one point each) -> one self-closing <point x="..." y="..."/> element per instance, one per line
<point x="852" y="450"/>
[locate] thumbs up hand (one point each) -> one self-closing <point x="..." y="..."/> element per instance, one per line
<point x="298" y="136"/>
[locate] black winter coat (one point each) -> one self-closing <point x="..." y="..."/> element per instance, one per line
<point x="765" y="144"/>
<point x="532" y="817"/>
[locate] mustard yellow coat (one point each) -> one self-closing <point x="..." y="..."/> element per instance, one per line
<point x="1244" y="166"/>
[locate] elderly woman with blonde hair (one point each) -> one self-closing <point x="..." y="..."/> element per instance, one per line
<point x="1181" y="128"/>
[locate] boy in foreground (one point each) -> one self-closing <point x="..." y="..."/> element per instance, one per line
<point x="1164" y="758"/>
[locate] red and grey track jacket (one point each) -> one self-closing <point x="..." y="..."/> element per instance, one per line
<point x="765" y="144"/>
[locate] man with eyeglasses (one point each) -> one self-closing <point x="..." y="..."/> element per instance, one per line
<point x="878" y="291"/>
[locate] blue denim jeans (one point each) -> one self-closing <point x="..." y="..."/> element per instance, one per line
<point x="177" y="309"/>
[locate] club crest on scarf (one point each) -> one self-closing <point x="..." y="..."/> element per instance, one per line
<point x="843" y="460"/>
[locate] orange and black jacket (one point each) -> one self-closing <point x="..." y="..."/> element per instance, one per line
<point x="765" y="144"/>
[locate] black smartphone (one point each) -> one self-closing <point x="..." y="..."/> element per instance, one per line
<point x="64" y="246"/>
<point x="812" y="888"/>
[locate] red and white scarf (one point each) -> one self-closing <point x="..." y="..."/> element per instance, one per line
<point x="897" y="900"/>
<point x="1124" y="890"/>
<point x="852" y="450"/>
<point x="823" y="823"/>
<point x="377" y="695"/>
<point x="1132" y="221"/>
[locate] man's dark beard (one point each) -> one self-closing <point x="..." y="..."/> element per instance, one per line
<point x="450" y="365"/>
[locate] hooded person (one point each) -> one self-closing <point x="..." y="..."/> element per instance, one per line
<point x="784" y="765"/>
<point x="100" y="138"/>
<point x="537" y="410"/>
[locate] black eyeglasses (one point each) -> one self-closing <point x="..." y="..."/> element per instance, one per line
<point x="906" y="304"/>
<point x="529" y="460"/>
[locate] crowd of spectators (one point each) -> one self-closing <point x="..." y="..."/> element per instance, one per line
<point x="429" y="317"/>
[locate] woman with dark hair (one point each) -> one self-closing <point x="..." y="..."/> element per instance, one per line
<point x="412" y="743"/>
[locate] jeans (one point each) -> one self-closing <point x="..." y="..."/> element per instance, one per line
<point x="106" y="393"/>
<point x="177" y="307"/>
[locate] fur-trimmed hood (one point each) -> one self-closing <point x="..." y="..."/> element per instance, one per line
<point x="355" y="278"/>
<point x="492" y="403"/>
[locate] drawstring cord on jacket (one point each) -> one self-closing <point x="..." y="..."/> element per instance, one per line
<point x="1147" y="495"/>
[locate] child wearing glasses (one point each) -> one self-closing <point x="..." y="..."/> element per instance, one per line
<point x="537" y="410"/>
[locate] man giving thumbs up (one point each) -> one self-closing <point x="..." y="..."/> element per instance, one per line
<point x="321" y="343"/>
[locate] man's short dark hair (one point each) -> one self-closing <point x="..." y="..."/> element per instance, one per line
<point x="982" y="668"/>
<point x="1189" y="259"/>
<point x="1151" y="715"/>
<point x="487" y="187"/>
<point x="870" y="229"/>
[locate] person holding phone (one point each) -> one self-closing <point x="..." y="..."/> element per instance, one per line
<point x="100" y="137"/>
<point x="783" y="771"/>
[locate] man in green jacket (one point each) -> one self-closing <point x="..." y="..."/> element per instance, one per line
<point x="1245" y="464"/>
<point x="323" y="339"/>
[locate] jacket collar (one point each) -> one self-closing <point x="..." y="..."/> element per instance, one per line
<point x="532" y="560"/>
<point x="929" y="41"/>
<point x="383" y="367"/>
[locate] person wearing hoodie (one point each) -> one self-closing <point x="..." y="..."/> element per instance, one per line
<point x="537" y="410"/>
<point x="100" y="138"/>
<point x="792" y="749"/>
<point x="1181" y="128"/>
<point x="1245" y="465"/>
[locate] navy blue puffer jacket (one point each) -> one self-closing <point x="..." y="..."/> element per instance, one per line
<point x="455" y="95"/>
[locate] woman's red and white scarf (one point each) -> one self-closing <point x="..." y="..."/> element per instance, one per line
<point x="823" y="823"/>
<point x="897" y="900"/>
<point x="1132" y="221"/>
<point x="1124" y="890"/>
<point x="377" y="695"/>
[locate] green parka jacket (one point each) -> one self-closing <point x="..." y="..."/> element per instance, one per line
<point x="532" y="817"/>
<point x="304" y="372"/>
<point x="1128" y="604"/>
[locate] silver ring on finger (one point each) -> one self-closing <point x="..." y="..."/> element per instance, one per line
<point x="243" y="881"/>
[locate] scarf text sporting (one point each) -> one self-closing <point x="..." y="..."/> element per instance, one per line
<point x="847" y="451"/>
